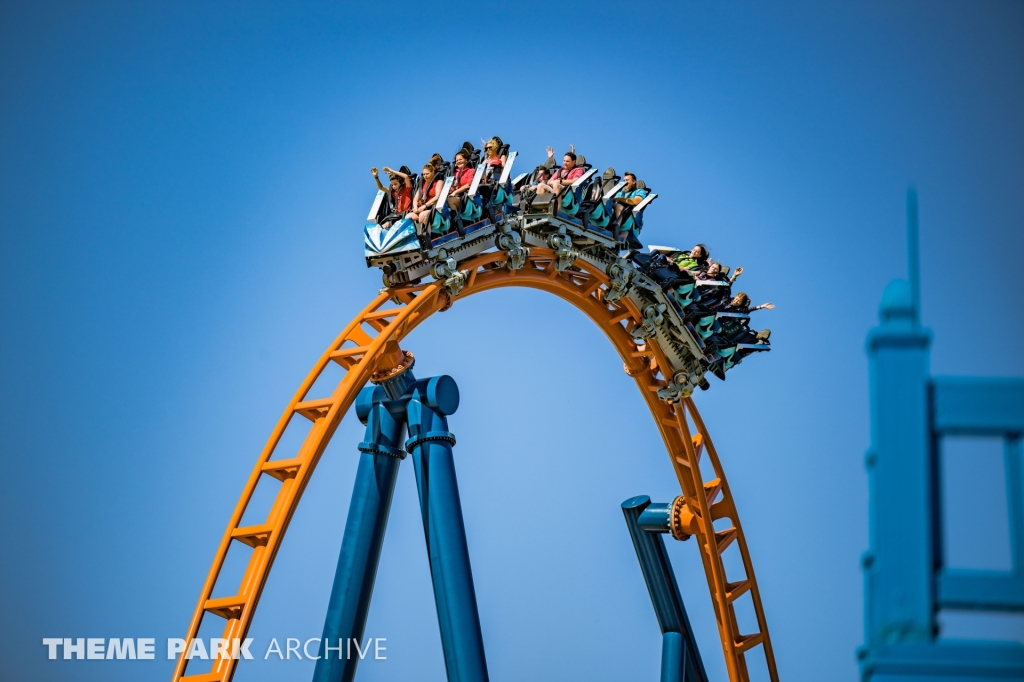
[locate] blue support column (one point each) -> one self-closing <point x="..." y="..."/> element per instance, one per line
<point x="680" y="658"/>
<point x="906" y="583"/>
<point x="430" y="444"/>
<point x="673" y="657"/>
<point x="899" y="567"/>
<point x="380" y="455"/>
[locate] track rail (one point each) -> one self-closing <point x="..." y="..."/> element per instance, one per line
<point x="369" y="344"/>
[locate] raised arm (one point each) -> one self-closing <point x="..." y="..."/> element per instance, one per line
<point x="405" y="176"/>
<point x="377" y="180"/>
<point x="550" y="163"/>
<point x="732" y="278"/>
<point x="763" y="306"/>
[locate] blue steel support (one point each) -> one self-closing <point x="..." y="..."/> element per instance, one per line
<point x="900" y="564"/>
<point x="430" y="444"/>
<point x="673" y="657"/>
<point x="680" y="658"/>
<point x="380" y="455"/>
<point x="905" y="580"/>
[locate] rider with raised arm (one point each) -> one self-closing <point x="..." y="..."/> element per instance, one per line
<point x="400" y="192"/>
<point x="569" y="171"/>
<point x="426" y="197"/>
<point x="735" y="330"/>
<point x="740" y="303"/>
<point x="401" y="187"/>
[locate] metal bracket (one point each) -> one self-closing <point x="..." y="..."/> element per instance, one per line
<point x="561" y="244"/>
<point x="648" y="326"/>
<point x="680" y="386"/>
<point x="620" y="273"/>
<point x="454" y="283"/>
<point x="511" y="242"/>
<point x="444" y="265"/>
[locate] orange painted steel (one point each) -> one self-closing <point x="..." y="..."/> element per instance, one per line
<point x="369" y="344"/>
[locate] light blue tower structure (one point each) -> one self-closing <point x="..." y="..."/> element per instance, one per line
<point x="906" y="578"/>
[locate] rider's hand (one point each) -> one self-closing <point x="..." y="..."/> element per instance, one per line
<point x="551" y="153"/>
<point x="374" y="171"/>
<point x="768" y="306"/>
<point x="739" y="271"/>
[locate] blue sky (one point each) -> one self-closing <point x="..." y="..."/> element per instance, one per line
<point x="182" y="187"/>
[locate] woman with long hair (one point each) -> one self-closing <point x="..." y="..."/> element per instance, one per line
<point x="493" y="157"/>
<point x="426" y="196"/>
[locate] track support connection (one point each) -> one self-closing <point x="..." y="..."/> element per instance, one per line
<point x="680" y="658"/>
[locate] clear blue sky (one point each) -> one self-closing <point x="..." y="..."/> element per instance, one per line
<point x="182" y="188"/>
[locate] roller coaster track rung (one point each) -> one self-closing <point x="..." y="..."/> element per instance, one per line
<point x="747" y="642"/>
<point x="314" y="409"/>
<point x="724" y="538"/>
<point x="282" y="469"/>
<point x="227" y="608"/>
<point x="254" y="536"/>
<point x="205" y="677"/>
<point x="622" y="315"/>
<point x="382" y="314"/>
<point x="347" y="357"/>
<point x="591" y="287"/>
<point x="736" y="590"/>
<point x="712" y="489"/>
<point x="723" y="509"/>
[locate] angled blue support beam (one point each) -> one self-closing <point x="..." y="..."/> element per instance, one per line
<point x="430" y="444"/>
<point x="680" y="658"/>
<point x="380" y="456"/>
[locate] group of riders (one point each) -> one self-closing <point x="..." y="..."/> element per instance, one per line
<point x="415" y="196"/>
<point x="702" y="291"/>
<point x="699" y="287"/>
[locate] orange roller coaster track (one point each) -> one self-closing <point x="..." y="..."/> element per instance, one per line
<point x="369" y="345"/>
